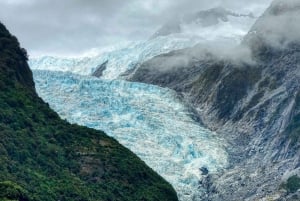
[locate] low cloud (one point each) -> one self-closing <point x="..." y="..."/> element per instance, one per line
<point x="279" y="26"/>
<point x="202" y="54"/>
<point x="75" y="26"/>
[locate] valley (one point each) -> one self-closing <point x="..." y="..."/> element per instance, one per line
<point x="149" y="120"/>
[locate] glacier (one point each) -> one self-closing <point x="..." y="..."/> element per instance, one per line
<point x="119" y="60"/>
<point x="149" y="120"/>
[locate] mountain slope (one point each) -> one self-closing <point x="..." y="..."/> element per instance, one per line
<point x="253" y="104"/>
<point x="45" y="158"/>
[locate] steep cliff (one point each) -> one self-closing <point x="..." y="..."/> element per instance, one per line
<point x="45" y="158"/>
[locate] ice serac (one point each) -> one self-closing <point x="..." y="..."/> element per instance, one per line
<point x="149" y="120"/>
<point x="257" y="103"/>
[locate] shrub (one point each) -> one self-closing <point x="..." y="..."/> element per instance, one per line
<point x="293" y="184"/>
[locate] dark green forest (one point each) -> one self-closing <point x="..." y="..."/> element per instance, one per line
<point x="44" y="158"/>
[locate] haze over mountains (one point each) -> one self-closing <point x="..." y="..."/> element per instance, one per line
<point x="73" y="28"/>
<point x="226" y="29"/>
<point x="211" y="102"/>
<point x="196" y="22"/>
<point x="238" y="88"/>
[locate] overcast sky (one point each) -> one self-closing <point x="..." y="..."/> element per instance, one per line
<point x="70" y="27"/>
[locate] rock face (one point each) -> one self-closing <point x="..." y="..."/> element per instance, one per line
<point x="99" y="71"/>
<point x="45" y="158"/>
<point x="254" y="104"/>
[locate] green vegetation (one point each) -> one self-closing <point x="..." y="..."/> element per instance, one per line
<point x="211" y="74"/>
<point x="234" y="87"/>
<point x="269" y="83"/>
<point x="10" y="191"/>
<point x="45" y="158"/>
<point x="266" y="84"/>
<point x="206" y="81"/>
<point x="292" y="185"/>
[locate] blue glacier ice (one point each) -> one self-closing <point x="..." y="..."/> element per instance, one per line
<point x="119" y="60"/>
<point x="149" y="120"/>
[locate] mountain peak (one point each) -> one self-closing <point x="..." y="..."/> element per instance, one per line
<point x="278" y="26"/>
<point x="203" y="18"/>
<point x="280" y="7"/>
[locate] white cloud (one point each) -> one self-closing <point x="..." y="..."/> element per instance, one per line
<point x="17" y="2"/>
<point x="280" y="24"/>
<point x="72" y="26"/>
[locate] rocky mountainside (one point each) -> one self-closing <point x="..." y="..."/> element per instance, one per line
<point x="45" y="158"/>
<point x="252" y="99"/>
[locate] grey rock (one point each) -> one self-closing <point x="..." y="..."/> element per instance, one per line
<point x="254" y="106"/>
<point x="99" y="70"/>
